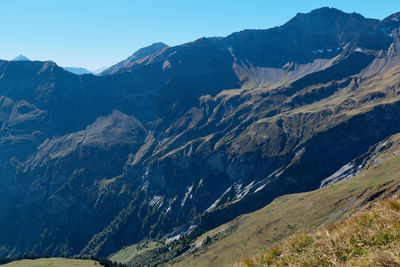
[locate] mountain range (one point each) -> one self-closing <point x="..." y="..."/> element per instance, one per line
<point x="74" y="70"/>
<point x="175" y="141"/>
<point x="80" y="71"/>
<point x="77" y="71"/>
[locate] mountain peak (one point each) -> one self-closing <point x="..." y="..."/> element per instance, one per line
<point x="322" y="14"/>
<point x="21" y="58"/>
<point x="139" y="54"/>
<point x="148" y="50"/>
<point x="327" y="10"/>
<point x="394" y="19"/>
<point x="330" y="11"/>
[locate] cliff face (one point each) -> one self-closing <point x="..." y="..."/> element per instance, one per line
<point x="189" y="136"/>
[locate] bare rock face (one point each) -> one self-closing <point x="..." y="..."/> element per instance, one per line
<point x="181" y="138"/>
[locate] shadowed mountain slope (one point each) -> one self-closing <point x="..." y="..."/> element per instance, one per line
<point x="249" y="235"/>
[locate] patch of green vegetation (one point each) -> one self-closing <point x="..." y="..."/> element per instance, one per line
<point x="53" y="262"/>
<point x="45" y="261"/>
<point x="127" y="254"/>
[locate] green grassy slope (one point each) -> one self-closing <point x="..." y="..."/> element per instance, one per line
<point x="125" y="255"/>
<point x="251" y="234"/>
<point x="53" y="262"/>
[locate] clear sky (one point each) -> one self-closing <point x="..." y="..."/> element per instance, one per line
<point x="96" y="33"/>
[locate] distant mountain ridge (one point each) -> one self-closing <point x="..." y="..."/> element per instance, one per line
<point x="178" y="140"/>
<point x="74" y="70"/>
<point x="21" y="58"/>
<point x="77" y="71"/>
<point x="99" y="70"/>
<point x="80" y="71"/>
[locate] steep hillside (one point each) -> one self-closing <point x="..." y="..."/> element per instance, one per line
<point x="189" y="137"/>
<point x="371" y="237"/>
<point x="249" y="235"/>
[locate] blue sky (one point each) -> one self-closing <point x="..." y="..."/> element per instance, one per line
<point x="96" y="33"/>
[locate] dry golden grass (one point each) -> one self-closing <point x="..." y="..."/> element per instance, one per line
<point x="370" y="237"/>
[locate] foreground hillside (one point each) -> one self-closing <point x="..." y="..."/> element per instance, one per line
<point x="53" y="262"/>
<point x="369" y="238"/>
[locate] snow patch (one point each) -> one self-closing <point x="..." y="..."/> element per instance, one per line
<point x="384" y="144"/>
<point x="218" y="200"/>
<point x="343" y="173"/>
<point x="342" y="170"/>
<point x="318" y="51"/>
<point x="259" y="189"/>
<point x="187" y="194"/>
<point x="169" y="240"/>
<point x="145" y="186"/>
<point x="168" y="210"/>
<point x="156" y="201"/>
<point x="321" y="51"/>
<point x="245" y="191"/>
<point x="166" y="65"/>
<point x="198" y="244"/>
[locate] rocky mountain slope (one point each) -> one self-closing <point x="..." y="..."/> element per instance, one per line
<point x="249" y="235"/>
<point x="189" y="137"/>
